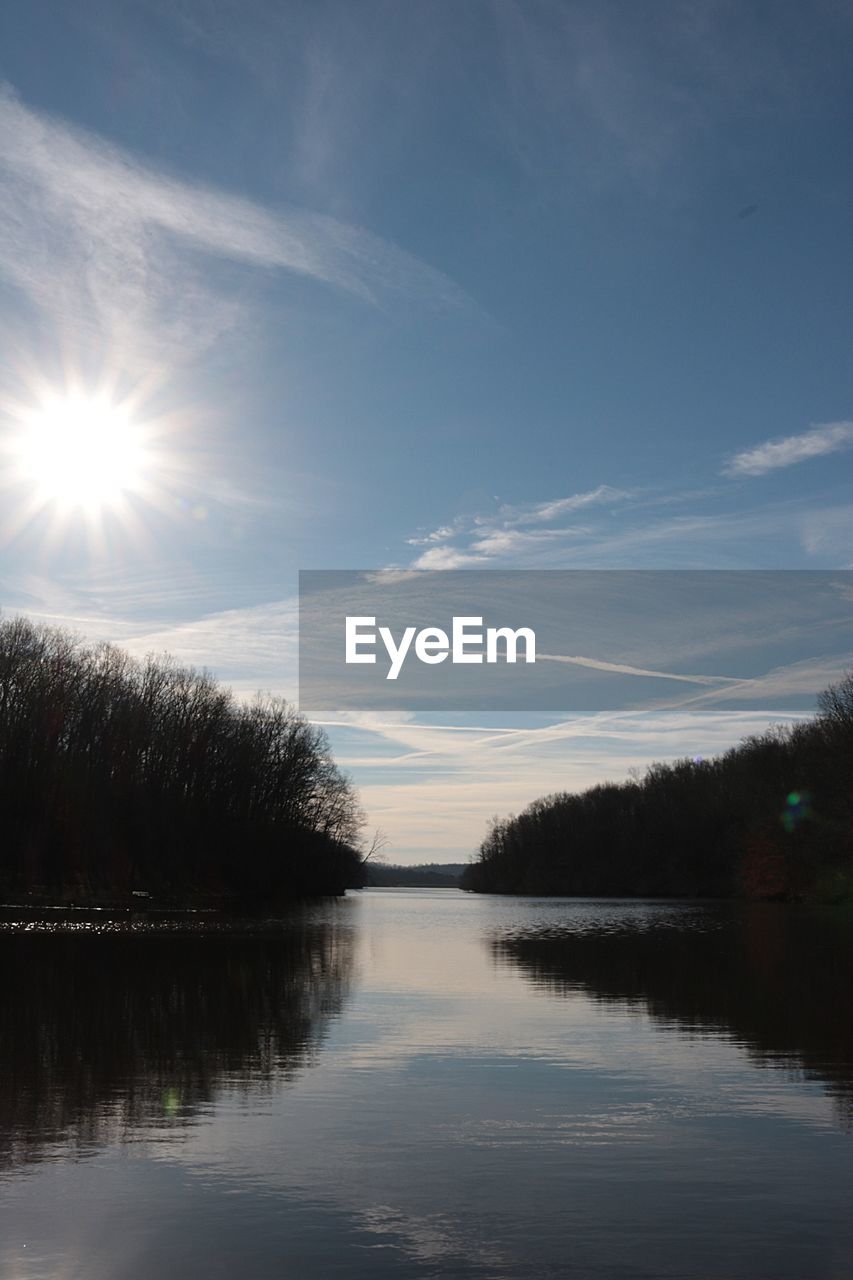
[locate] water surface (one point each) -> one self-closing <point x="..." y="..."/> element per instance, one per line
<point x="424" y="1083"/>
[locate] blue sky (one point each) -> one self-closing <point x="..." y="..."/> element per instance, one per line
<point x="451" y="284"/>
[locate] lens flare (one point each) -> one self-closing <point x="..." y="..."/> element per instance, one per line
<point x="797" y="807"/>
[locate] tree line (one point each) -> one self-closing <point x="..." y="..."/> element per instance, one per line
<point x="120" y="776"/>
<point x="772" y="818"/>
<point x="422" y="875"/>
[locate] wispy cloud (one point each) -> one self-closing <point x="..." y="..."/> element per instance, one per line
<point x="507" y="542"/>
<point x="545" y="511"/>
<point x="625" y="669"/>
<point x="647" y="531"/>
<point x="436" y="535"/>
<point x="511" y="532"/>
<point x="449" y="558"/>
<point x="92" y="236"/>
<point x="830" y="437"/>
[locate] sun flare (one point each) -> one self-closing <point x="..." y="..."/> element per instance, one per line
<point x="81" y="451"/>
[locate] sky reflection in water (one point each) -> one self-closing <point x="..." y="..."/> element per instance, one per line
<point x="428" y="1083"/>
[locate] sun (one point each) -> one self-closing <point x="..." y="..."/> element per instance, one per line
<point x="102" y="465"/>
<point x="80" y="451"/>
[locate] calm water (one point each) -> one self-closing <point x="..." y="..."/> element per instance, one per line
<point x="425" y="1083"/>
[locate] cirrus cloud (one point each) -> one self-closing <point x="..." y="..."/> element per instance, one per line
<point x="820" y="440"/>
<point x="99" y="241"/>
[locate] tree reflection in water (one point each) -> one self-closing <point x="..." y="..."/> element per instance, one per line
<point x="774" y="978"/>
<point x="106" y="1034"/>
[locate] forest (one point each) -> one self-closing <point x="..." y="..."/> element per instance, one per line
<point x="770" y="819"/>
<point x="122" y="780"/>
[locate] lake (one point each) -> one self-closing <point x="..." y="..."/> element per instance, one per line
<point x="426" y="1083"/>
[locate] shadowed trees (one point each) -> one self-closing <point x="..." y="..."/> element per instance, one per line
<point x="118" y="775"/>
<point x="771" y="818"/>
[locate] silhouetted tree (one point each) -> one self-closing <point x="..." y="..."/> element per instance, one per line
<point x="118" y="775"/>
<point x="771" y="818"/>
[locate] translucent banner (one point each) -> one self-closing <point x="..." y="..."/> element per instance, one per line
<point x="569" y="640"/>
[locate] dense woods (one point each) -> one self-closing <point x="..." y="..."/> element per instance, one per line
<point x="772" y="818"/>
<point x="120" y="777"/>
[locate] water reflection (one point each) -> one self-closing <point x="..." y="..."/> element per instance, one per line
<point x="106" y="1031"/>
<point x="514" y="1090"/>
<point x="775" y="979"/>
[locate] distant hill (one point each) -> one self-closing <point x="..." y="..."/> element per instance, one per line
<point x="426" y="875"/>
